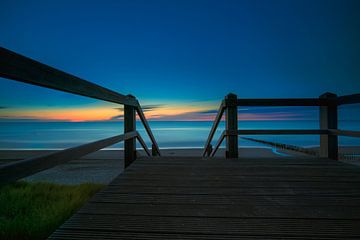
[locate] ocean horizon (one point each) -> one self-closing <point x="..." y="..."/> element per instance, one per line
<point x="169" y="134"/>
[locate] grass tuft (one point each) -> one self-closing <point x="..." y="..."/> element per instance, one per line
<point x="35" y="210"/>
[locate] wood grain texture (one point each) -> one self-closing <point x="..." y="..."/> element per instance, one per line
<point x="217" y="198"/>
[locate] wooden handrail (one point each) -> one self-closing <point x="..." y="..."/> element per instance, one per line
<point x="213" y="129"/>
<point x="347" y="133"/>
<point x="349" y="99"/>
<point x="328" y="131"/>
<point x="17" y="67"/>
<point x="13" y="171"/>
<point x="148" y="129"/>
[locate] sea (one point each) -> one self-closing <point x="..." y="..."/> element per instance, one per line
<point x="169" y="134"/>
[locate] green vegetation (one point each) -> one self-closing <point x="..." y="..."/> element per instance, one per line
<point x="35" y="210"/>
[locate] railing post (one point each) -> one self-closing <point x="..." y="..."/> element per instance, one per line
<point x="329" y="120"/>
<point x="129" y="126"/>
<point x="231" y="119"/>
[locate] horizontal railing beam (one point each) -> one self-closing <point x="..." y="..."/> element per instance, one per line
<point x="347" y="133"/>
<point x="13" y="171"/>
<point x="284" y="102"/>
<point x="349" y="99"/>
<point x="17" y="67"/>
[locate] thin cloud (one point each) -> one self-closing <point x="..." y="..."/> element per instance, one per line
<point x="117" y="117"/>
<point x="145" y="108"/>
<point x="151" y="107"/>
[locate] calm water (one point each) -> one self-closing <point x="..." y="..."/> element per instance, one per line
<point x="169" y="134"/>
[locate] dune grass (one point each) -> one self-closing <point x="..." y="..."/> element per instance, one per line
<point x="35" y="210"/>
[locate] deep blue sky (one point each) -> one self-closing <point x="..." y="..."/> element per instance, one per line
<point x="183" y="51"/>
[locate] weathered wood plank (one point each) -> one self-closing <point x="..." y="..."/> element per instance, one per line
<point x="348" y="133"/>
<point x="77" y="234"/>
<point x="243" y="210"/>
<point x="349" y="99"/>
<point x="231" y="226"/>
<point x="13" y="171"/>
<point x="252" y="191"/>
<point x="224" y="199"/>
<point x="215" y="199"/>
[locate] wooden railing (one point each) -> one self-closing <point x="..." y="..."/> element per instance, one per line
<point x="328" y="122"/>
<point x="16" y="67"/>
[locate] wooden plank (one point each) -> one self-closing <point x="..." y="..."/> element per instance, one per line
<point x="219" y="209"/>
<point x="347" y="133"/>
<point x="104" y="234"/>
<point x="215" y="199"/>
<point x="17" y="67"/>
<point x="194" y="198"/>
<point x="13" y="171"/>
<point x="252" y="191"/>
<point x="284" y="102"/>
<point x="77" y="234"/>
<point x="289" y="179"/>
<point x="280" y="227"/>
<point x="231" y="183"/>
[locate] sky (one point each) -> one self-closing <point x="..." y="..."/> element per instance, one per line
<point x="180" y="58"/>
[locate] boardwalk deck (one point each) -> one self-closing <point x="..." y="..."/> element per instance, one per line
<point x="194" y="198"/>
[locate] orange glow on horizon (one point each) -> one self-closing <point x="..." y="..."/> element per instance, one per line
<point x="165" y="113"/>
<point x="94" y="113"/>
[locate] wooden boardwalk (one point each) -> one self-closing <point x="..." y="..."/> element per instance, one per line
<point x="194" y="198"/>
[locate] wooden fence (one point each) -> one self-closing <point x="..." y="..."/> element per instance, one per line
<point x="16" y="67"/>
<point x="328" y="122"/>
